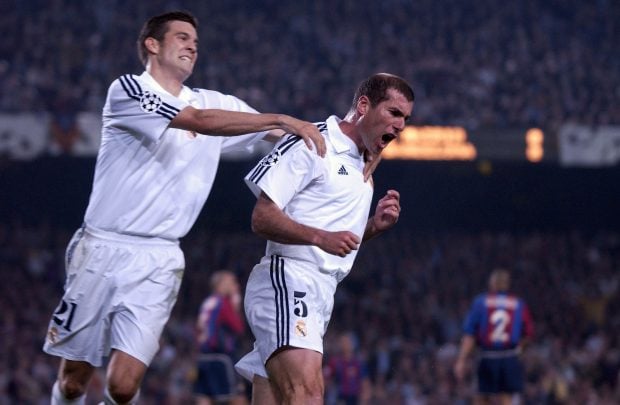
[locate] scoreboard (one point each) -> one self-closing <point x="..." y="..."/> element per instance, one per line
<point x="457" y="143"/>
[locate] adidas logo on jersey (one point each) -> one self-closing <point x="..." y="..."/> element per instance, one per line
<point x="343" y="171"/>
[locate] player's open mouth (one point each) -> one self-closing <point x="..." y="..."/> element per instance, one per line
<point x="386" y="139"/>
<point x="187" y="58"/>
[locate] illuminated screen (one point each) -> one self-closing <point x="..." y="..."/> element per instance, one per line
<point x="431" y="143"/>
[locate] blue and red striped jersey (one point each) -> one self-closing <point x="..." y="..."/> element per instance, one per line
<point x="348" y="374"/>
<point x="498" y="321"/>
<point x="219" y="325"/>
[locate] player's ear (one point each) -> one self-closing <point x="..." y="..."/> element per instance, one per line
<point x="152" y="45"/>
<point x="363" y="105"/>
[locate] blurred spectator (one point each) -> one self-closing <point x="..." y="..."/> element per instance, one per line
<point x="401" y="336"/>
<point x="219" y="325"/>
<point x="488" y="64"/>
<point x="346" y="374"/>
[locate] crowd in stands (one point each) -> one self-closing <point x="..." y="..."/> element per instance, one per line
<point x="475" y="64"/>
<point x="403" y="304"/>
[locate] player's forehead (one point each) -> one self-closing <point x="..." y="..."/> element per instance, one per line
<point x="176" y="27"/>
<point x="397" y="100"/>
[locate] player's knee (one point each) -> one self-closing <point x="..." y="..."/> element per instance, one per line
<point x="72" y="389"/>
<point x="122" y="392"/>
<point x="309" y="390"/>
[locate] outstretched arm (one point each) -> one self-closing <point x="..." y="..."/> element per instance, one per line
<point x="231" y="123"/>
<point x="270" y="222"/>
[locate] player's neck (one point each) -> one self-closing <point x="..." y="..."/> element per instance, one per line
<point x="170" y="82"/>
<point x="350" y="130"/>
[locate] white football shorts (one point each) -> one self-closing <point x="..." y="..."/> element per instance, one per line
<point x="287" y="303"/>
<point x="119" y="293"/>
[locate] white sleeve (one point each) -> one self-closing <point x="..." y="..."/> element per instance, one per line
<point x="288" y="169"/>
<point x="135" y="107"/>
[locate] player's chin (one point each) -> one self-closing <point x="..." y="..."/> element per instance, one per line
<point x="186" y="71"/>
<point x="376" y="151"/>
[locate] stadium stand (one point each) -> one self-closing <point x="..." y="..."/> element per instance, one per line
<point x="527" y="63"/>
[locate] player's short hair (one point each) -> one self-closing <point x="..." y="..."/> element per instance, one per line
<point x="157" y="26"/>
<point x="376" y="87"/>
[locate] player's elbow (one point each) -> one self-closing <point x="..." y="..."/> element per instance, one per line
<point x="264" y="216"/>
<point x="185" y="119"/>
<point x="259" y="223"/>
<point x="192" y="119"/>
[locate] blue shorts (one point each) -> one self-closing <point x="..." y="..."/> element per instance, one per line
<point x="500" y="375"/>
<point x="216" y="377"/>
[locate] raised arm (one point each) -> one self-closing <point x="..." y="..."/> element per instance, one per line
<point x="270" y="222"/>
<point x="386" y="215"/>
<point x="231" y="123"/>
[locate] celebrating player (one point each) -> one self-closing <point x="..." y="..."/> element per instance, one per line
<point x="154" y="171"/>
<point x="500" y="324"/>
<point x="314" y="213"/>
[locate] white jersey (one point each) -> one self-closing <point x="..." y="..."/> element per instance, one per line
<point x="327" y="193"/>
<point x="152" y="180"/>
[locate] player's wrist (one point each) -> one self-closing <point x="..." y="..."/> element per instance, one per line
<point x="317" y="238"/>
<point x="284" y="122"/>
<point x="373" y="227"/>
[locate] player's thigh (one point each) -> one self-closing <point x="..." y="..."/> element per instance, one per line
<point x="291" y="366"/>
<point x="216" y="377"/>
<point x="512" y="376"/>
<point x="489" y="373"/>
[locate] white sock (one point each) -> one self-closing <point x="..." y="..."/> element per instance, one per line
<point x="108" y="400"/>
<point x="58" y="398"/>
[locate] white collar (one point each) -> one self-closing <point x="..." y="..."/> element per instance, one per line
<point x="342" y="143"/>
<point x="186" y="93"/>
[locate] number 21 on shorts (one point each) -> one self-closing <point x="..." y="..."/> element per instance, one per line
<point x="63" y="316"/>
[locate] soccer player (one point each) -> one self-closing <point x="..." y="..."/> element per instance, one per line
<point x="500" y="324"/>
<point x="155" y="168"/>
<point x="219" y="326"/>
<point x="314" y="213"/>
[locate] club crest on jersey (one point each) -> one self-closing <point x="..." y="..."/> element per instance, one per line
<point x="150" y="102"/>
<point x="52" y="335"/>
<point x="271" y="159"/>
<point x="301" y="329"/>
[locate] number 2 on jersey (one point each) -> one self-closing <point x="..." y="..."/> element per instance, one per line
<point x="500" y="319"/>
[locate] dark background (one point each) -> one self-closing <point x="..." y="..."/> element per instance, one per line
<point x="435" y="196"/>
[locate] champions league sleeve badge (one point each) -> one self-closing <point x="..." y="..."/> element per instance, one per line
<point x="271" y="159"/>
<point x="150" y="102"/>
